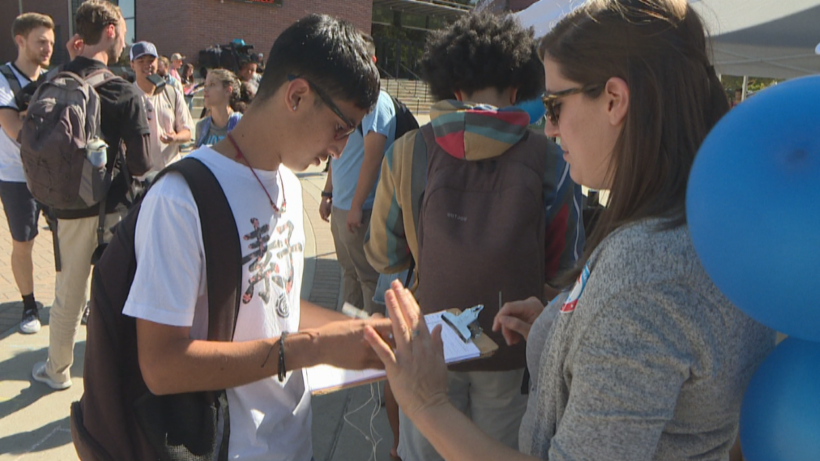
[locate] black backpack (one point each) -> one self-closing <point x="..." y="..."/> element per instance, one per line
<point x="405" y="120"/>
<point x="14" y="85"/>
<point x="118" y="418"/>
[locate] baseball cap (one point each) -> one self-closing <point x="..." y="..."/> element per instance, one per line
<point x="141" y="49"/>
<point x="176" y="56"/>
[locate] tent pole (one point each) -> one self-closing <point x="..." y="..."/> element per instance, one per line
<point x="745" y="87"/>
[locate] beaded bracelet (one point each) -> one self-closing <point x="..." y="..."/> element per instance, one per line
<point x="282" y="371"/>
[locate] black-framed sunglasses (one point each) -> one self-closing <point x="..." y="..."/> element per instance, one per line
<point x="552" y="105"/>
<point x="341" y="131"/>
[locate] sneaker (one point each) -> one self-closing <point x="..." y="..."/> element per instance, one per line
<point x="39" y="374"/>
<point x="31" y="321"/>
<point x="86" y="311"/>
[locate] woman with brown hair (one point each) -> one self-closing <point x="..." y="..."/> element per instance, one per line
<point x="189" y="86"/>
<point x="642" y="358"/>
<point x="222" y="102"/>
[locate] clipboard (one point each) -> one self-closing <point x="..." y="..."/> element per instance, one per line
<point x="486" y="346"/>
<point x="324" y="379"/>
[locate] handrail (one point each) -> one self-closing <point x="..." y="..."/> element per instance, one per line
<point x="418" y="104"/>
<point x="410" y="71"/>
<point x="398" y="81"/>
<point x="382" y="69"/>
<point x="453" y="5"/>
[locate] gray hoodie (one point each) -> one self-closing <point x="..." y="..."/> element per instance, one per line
<point x="650" y="364"/>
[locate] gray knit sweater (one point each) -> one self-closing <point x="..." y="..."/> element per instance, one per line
<point x="650" y="365"/>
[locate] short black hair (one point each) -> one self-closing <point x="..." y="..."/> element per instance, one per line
<point x="482" y="50"/>
<point x="328" y="52"/>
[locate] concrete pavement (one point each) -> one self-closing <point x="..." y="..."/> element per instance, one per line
<point x="34" y="419"/>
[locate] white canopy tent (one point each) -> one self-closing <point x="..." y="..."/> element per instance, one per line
<point x="760" y="38"/>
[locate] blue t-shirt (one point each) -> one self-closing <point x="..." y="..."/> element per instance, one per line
<point x="345" y="170"/>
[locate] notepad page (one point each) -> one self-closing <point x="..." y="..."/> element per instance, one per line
<point x="455" y="350"/>
<point x="323" y="377"/>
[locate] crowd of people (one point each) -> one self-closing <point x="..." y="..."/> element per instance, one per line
<point x="613" y="342"/>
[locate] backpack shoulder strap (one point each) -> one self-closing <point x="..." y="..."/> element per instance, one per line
<point x="233" y="120"/>
<point x="428" y="135"/>
<point x="206" y="127"/>
<point x="220" y="239"/>
<point x="397" y="105"/>
<point x="171" y="94"/>
<point x="14" y="84"/>
<point x="99" y="78"/>
<point x="48" y="76"/>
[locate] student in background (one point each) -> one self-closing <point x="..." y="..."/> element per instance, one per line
<point x="481" y="204"/>
<point x="34" y="36"/>
<point x="167" y="112"/>
<point x="221" y="93"/>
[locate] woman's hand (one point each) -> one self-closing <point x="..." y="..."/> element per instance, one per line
<point x="516" y="318"/>
<point x="416" y="369"/>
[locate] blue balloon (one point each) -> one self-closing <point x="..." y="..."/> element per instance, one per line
<point x="753" y="207"/>
<point x="780" y="417"/>
<point x="534" y="107"/>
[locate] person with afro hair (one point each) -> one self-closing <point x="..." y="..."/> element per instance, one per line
<point x="477" y="70"/>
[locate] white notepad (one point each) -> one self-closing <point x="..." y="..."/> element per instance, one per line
<point x="325" y="378"/>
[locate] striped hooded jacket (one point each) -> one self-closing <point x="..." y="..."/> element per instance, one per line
<point x="472" y="133"/>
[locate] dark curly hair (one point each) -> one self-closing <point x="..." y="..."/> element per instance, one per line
<point x="483" y="50"/>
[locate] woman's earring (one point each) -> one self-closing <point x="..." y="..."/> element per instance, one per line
<point x="295" y="106"/>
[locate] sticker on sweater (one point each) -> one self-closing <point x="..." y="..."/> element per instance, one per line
<point x="575" y="294"/>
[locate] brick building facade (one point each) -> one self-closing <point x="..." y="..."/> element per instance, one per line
<point x="187" y="26"/>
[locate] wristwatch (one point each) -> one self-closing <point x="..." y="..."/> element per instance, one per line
<point x="327" y="194"/>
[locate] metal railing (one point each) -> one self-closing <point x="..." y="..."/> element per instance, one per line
<point x="413" y="93"/>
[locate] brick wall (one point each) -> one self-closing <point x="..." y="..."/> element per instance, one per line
<point x="9" y="9"/>
<point x="192" y="25"/>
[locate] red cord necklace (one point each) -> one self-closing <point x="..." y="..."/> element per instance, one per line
<point x="242" y="157"/>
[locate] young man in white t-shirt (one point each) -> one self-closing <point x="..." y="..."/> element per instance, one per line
<point x="34" y="36"/>
<point x="168" y="115"/>
<point x="319" y="86"/>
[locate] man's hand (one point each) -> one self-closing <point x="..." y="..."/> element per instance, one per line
<point x="342" y="344"/>
<point x="354" y="219"/>
<point x="324" y="209"/>
<point x="516" y="318"/>
<point x="169" y="138"/>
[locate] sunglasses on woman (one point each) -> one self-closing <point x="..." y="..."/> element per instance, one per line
<point x="553" y="106"/>
<point x="341" y="131"/>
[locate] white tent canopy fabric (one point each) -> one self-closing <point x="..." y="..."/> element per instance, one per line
<point x="760" y="38"/>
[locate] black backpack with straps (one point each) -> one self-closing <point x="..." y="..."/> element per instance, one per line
<point x="118" y="418"/>
<point x="14" y="84"/>
<point x="22" y="93"/>
<point x="405" y="120"/>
